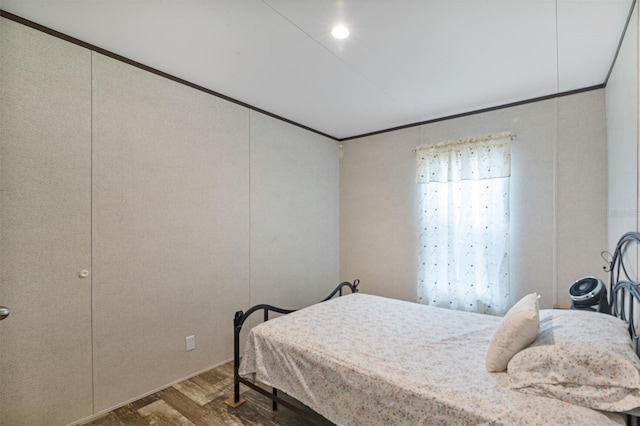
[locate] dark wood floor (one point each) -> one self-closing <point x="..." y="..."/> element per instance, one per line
<point x="199" y="401"/>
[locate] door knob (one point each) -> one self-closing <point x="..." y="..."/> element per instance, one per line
<point x="4" y="312"/>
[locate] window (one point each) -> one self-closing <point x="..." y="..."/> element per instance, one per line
<point x="464" y="224"/>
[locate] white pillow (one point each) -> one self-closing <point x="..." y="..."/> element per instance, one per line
<point x="517" y="330"/>
<point x="584" y="358"/>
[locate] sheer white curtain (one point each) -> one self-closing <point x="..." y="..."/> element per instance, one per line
<point x="464" y="223"/>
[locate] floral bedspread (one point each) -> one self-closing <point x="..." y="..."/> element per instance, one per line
<point x="368" y="360"/>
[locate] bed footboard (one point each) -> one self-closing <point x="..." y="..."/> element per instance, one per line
<point x="238" y="322"/>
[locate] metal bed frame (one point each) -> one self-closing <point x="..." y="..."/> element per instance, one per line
<point x="624" y="303"/>
<point x="238" y="321"/>
<point x="625" y="296"/>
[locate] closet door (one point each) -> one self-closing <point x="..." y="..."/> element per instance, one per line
<point x="45" y="228"/>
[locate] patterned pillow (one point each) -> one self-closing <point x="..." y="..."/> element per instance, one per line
<point x="580" y="357"/>
<point x="517" y="330"/>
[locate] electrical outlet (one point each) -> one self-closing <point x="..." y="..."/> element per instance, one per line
<point x="191" y="342"/>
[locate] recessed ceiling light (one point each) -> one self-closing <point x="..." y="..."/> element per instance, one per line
<point x="340" y="32"/>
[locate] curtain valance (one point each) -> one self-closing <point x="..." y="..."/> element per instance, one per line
<point x="484" y="157"/>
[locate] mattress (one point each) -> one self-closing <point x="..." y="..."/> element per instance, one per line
<point x="368" y="360"/>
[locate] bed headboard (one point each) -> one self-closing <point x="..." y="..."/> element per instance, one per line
<point x="624" y="286"/>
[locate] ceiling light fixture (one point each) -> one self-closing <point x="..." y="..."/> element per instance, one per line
<point x="340" y="32"/>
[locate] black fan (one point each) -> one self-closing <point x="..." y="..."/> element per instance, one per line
<point x="589" y="294"/>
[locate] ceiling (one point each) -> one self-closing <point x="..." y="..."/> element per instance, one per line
<point x="406" y="61"/>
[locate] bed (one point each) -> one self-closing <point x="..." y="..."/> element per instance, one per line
<point x="362" y="360"/>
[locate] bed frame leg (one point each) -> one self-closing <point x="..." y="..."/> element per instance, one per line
<point x="235" y="401"/>
<point x="274" y="404"/>
<point x="231" y="402"/>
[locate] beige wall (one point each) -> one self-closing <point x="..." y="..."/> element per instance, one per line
<point x="170" y="229"/>
<point x="622" y="136"/>
<point x="193" y="208"/>
<point x="558" y="197"/>
<point x="294" y="214"/>
<point x="45" y="228"/>
<point x="581" y="190"/>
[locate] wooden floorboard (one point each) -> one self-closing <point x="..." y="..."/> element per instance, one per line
<point x="199" y="402"/>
